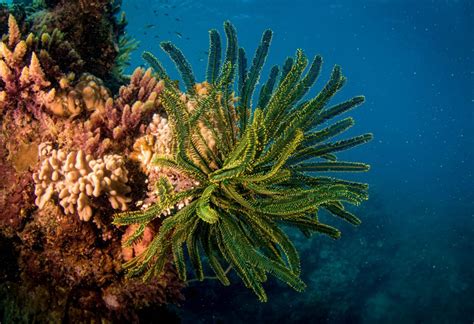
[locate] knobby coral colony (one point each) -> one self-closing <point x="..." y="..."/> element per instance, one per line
<point x="254" y="169"/>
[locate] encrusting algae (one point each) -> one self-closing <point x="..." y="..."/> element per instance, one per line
<point x="107" y="178"/>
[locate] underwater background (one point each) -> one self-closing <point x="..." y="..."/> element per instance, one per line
<point x="411" y="260"/>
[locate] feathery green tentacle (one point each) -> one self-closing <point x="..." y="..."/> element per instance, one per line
<point x="214" y="59"/>
<point x="251" y="173"/>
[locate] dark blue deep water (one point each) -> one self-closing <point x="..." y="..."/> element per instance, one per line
<point x="411" y="261"/>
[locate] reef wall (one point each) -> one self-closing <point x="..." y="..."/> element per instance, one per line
<point x="69" y="120"/>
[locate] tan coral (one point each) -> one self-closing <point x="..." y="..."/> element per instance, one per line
<point x="89" y="94"/>
<point x="76" y="177"/>
<point x="202" y="90"/>
<point x="143" y="151"/>
<point x="159" y="141"/>
<point x="30" y="69"/>
<point x="14" y="34"/>
<point x="162" y="132"/>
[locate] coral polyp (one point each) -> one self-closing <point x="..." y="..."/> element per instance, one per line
<point x="254" y="165"/>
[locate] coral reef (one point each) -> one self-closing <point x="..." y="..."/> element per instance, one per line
<point x="68" y="276"/>
<point x="65" y="139"/>
<point x="23" y="79"/>
<point x="92" y="32"/>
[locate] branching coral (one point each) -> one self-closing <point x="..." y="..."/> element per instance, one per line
<point x="135" y="100"/>
<point x="19" y="10"/>
<point x="76" y="177"/>
<point x="28" y="72"/>
<point x="264" y="171"/>
<point x="209" y="169"/>
<point x="114" y="124"/>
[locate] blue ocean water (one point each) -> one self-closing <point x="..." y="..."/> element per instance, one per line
<point x="411" y="260"/>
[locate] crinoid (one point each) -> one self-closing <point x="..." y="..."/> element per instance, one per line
<point x="257" y="166"/>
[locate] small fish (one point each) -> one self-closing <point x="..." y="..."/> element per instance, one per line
<point x="150" y="26"/>
<point x="179" y="34"/>
<point x="177" y="19"/>
<point x="167" y="14"/>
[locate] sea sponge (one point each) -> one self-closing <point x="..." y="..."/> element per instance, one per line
<point x="76" y="177"/>
<point x="15" y="193"/>
<point x="137" y="248"/>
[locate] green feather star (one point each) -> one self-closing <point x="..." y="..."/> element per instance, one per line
<point x="263" y="172"/>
